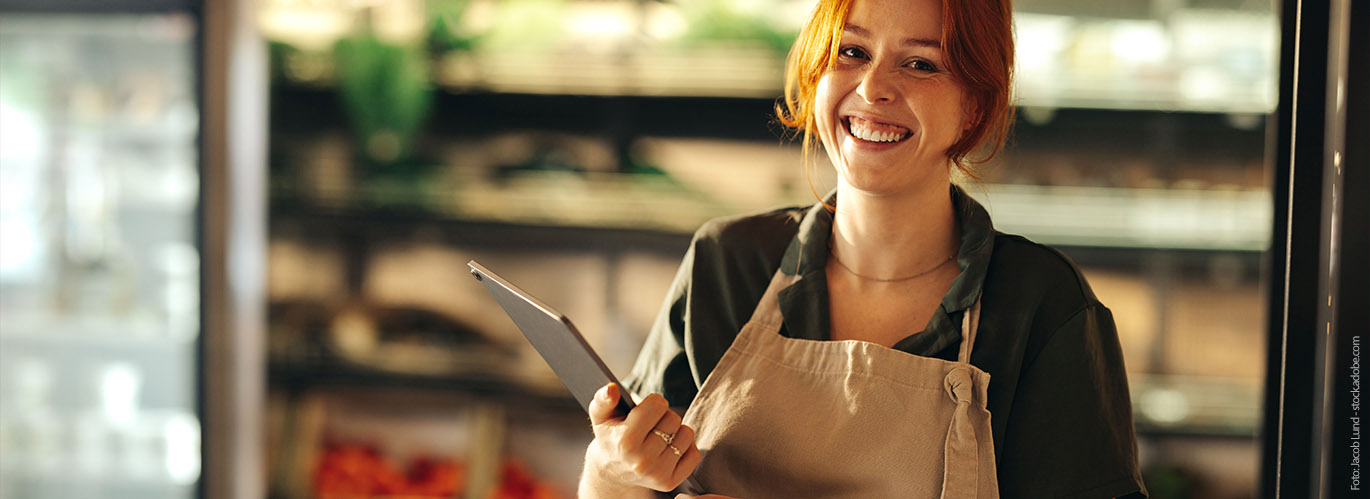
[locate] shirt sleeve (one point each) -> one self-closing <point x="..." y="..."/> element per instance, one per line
<point x="1070" y="433"/>
<point x="663" y="366"/>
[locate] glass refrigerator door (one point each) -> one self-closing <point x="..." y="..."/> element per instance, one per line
<point x="99" y="265"/>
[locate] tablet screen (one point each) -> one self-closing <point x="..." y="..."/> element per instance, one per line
<point x="555" y="338"/>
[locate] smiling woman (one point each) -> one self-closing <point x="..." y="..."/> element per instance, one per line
<point x="885" y="110"/>
<point x="835" y="350"/>
<point x="975" y="37"/>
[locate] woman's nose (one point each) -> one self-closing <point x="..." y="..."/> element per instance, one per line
<point x="876" y="85"/>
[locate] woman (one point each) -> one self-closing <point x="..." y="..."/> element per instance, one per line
<point x="846" y="350"/>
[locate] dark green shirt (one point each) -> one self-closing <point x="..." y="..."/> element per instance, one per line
<point x="1058" y="395"/>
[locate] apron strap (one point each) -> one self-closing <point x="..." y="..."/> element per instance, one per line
<point x="961" y="452"/>
<point x="970" y="324"/>
<point x="767" y="311"/>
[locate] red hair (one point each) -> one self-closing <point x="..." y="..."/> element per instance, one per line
<point x="977" y="43"/>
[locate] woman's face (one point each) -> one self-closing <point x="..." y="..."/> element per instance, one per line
<point x="888" y="109"/>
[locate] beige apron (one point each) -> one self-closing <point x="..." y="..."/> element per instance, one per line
<point x="785" y="418"/>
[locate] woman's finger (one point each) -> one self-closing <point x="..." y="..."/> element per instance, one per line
<point x="673" y="451"/>
<point x="602" y="406"/>
<point x="643" y="418"/>
<point x="689" y="460"/>
<point x="684" y="438"/>
<point x="667" y="427"/>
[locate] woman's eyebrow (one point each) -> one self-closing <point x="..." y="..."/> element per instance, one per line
<point x="917" y="42"/>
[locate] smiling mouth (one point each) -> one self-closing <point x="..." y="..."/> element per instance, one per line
<point x="871" y="131"/>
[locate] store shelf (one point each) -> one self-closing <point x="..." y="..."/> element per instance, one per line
<point x="1195" y="406"/>
<point x="1175" y="59"/>
<point x="757" y="73"/>
<point x="296" y="373"/>
<point x="731" y="70"/>
<point x="1204" y="220"/>
<point x="1222" y="220"/>
<point x="66" y="484"/>
<point x="471" y="113"/>
<point x="481" y="215"/>
<point x="559" y="76"/>
<point x="70" y="359"/>
<point x="116" y="332"/>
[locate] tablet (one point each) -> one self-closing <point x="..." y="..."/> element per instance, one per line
<point x="553" y="335"/>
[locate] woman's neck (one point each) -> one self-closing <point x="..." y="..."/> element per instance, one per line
<point x="894" y="236"/>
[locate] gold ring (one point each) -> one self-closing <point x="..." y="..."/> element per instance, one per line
<point x="674" y="449"/>
<point x="667" y="437"/>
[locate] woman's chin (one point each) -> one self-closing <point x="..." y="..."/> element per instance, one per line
<point x="886" y="182"/>
<point x="874" y="185"/>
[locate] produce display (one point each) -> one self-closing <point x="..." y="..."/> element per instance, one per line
<point x="349" y="470"/>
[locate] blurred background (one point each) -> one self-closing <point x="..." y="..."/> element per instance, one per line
<point x="572" y="146"/>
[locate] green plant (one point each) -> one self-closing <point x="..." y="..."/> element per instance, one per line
<point x="387" y="93"/>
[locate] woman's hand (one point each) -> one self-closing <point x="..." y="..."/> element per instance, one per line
<point x="647" y="449"/>
<point x="706" y="496"/>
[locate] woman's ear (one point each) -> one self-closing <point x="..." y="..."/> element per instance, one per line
<point x="972" y="117"/>
<point x="969" y="123"/>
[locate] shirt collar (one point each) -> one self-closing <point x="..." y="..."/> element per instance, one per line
<point x="804" y="303"/>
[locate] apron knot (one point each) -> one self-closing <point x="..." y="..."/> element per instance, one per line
<point x="958" y="385"/>
<point x="961" y="475"/>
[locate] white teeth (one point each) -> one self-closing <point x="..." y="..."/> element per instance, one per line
<point x="865" y="133"/>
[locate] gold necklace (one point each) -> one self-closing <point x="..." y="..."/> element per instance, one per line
<point x="896" y="279"/>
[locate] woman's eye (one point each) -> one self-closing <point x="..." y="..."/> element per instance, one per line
<point x="853" y="52"/>
<point x="923" y="66"/>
